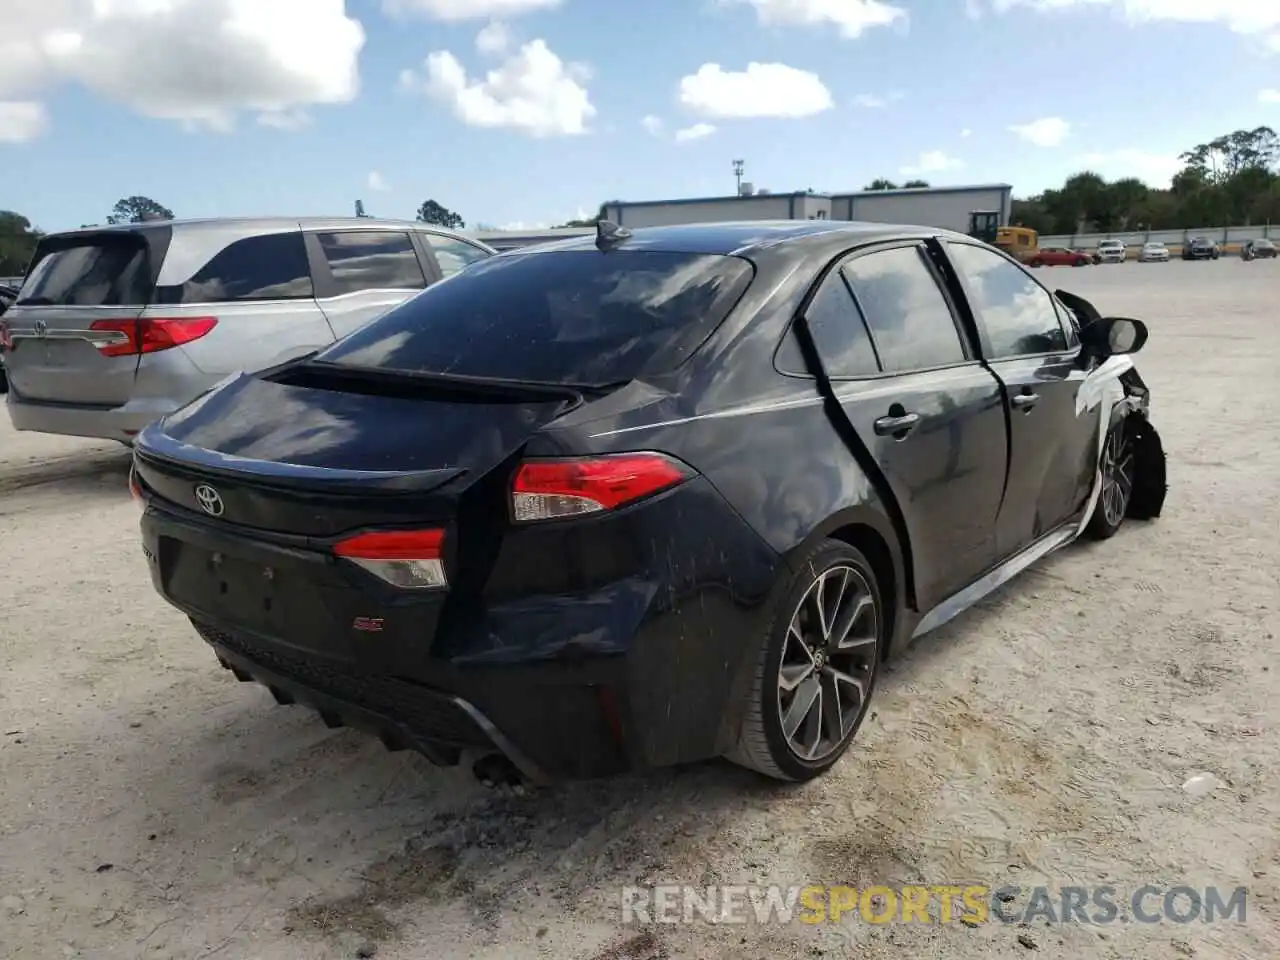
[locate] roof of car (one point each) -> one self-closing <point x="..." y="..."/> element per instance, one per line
<point x="266" y="224"/>
<point x="747" y="237"/>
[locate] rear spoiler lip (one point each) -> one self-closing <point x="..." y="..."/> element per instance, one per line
<point x="156" y="448"/>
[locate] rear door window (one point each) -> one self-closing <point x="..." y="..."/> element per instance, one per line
<point x="270" y="266"/>
<point x="566" y="316"/>
<point x="452" y="254"/>
<point x="102" y="271"/>
<point x="910" y="320"/>
<point x="839" y="335"/>
<point x="372" y="260"/>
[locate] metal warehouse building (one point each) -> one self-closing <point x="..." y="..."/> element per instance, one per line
<point x="945" y="207"/>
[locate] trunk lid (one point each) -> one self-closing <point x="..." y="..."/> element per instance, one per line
<point x="297" y="462"/>
<point x="76" y="279"/>
<point x="300" y="453"/>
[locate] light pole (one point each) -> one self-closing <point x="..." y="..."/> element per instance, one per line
<point x="738" y="167"/>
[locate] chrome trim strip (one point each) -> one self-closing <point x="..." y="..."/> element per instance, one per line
<point x="96" y="337"/>
<point x="716" y="415"/>
<point x="956" y="604"/>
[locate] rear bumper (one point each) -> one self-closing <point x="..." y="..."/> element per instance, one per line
<point x="642" y="661"/>
<point x="100" y="423"/>
<point x="401" y="715"/>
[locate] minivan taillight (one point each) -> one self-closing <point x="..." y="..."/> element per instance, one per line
<point x="561" y="488"/>
<point x="412" y="559"/>
<point x="151" y="334"/>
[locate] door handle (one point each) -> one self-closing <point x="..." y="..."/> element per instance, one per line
<point x="892" y="426"/>
<point x="1025" y="401"/>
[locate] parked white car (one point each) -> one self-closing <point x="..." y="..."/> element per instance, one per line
<point x="1111" y="251"/>
<point x="1154" y="252"/>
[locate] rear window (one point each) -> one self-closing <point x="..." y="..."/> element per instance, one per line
<point x="565" y="316"/>
<point x="102" y="271"/>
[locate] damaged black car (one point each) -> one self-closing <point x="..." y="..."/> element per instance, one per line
<point x="647" y="498"/>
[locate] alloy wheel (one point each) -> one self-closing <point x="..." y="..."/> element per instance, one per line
<point x="1117" y="476"/>
<point x="828" y="660"/>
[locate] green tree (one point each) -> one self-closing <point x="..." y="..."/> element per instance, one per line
<point x="1230" y="179"/>
<point x="880" y="184"/>
<point x="437" y="215"/>
<point x="137" y="209"/>
<point x="18" y="241"/>
<point x="915" y="185"/>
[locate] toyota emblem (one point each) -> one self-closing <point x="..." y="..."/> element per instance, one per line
<point x="210" y="500"/>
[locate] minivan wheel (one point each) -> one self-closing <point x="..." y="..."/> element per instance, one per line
<point x="1117" y="470"/>
<point x="816" y="669"/>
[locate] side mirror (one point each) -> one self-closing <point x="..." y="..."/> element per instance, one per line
<point x="1114" y="336"/>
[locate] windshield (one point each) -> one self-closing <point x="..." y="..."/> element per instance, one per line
<point x="1111" y="244"/>
<point x="562" y="316"/>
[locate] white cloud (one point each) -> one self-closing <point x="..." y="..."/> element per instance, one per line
<point x="454" y="10"/>
<point x="516" y="225"/>
<point x="932" y="161"/>
<point x="1155" y="169"/>
<point x="851" y="17"/>
<point x="762" y="90"/>
<point x="200" y="62"/>
<point x="1255" y="18"/>
<point x="22" y="120"/>
<point x="966" y="132"/>
<point x="874" y="101"/>
<point x="533" y="91"/>
<point x="1270" y="95"/>
<point x="377" y="182"/>
<point x="494" y="39"/>
<point x="652" y="124"/>
<point x="1045" y="132"/>
<point x="695" y="132"/>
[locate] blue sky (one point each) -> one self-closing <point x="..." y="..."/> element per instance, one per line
<point x="237" y="107"/>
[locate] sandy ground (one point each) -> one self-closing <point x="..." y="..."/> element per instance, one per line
<point x="152" y="807"/>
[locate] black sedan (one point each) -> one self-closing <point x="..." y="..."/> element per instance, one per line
<point x="646" y="498"/>
<point x="1261" y="249"/>
<point x="1200" y="248"/>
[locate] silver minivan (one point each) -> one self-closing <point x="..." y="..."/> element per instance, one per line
<point x="117" y="326"/>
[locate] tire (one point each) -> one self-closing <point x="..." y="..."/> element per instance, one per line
<point x="1118" y="472"/>
<point x="1081" y="262"/>
<point x="1036" y="264"/>
<point x="784" y="670"/>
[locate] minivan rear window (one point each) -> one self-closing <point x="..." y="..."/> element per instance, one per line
<point x="110" y="270"/>
<point x="561" y="316"/>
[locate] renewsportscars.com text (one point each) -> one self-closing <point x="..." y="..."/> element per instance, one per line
<point x="970" y="904"/>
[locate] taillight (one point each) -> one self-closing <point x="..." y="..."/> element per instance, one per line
<point x="135" y="487"/>
<point x="150" y="334"/>
<point x="556" y="489"/>
<point x="412" y="559"/>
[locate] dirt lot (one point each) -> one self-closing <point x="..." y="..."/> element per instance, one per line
<point x="151" y="806"/>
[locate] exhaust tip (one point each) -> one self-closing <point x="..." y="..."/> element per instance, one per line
<point x="497" y="772"/>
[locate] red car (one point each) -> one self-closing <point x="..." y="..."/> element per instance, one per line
<point x="1059" y="257"/>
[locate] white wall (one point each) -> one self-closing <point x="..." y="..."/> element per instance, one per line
<point x="930" y="208"/>
<point x="1175" y="237"/>
<point x="770" y="207"/>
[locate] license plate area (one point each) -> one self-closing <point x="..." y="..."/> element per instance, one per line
<point x="256" y="594"/>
